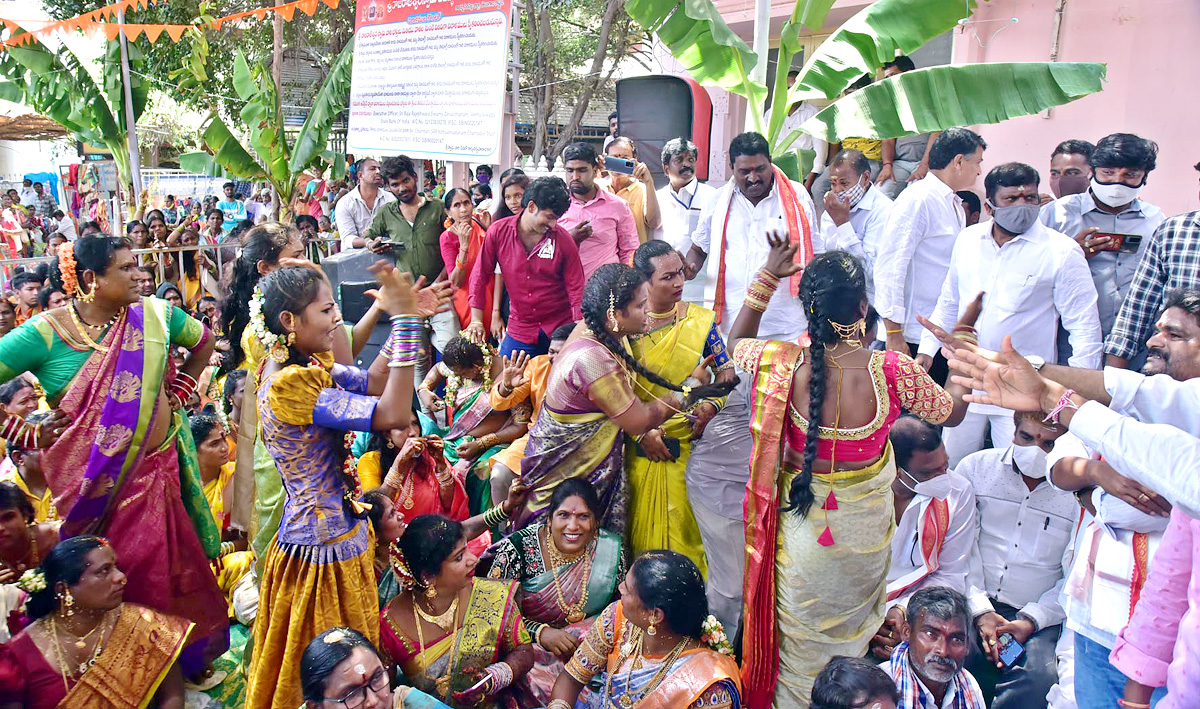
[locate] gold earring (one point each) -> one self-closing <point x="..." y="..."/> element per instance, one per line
<point x="430" y="592"/>
<point x="68" y="603"/>
<point x="651" y="630"/>
<point x="390" y="444"/>
<point x="89" y="295"/>
<point x="291" y="338"/>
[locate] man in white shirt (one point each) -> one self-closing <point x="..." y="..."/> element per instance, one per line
<point x="63" y="224"/>
<point x="734" y="231"/>
<point x="27" y="195"/>
<point x="357" y="209"/>
<point x="798" y="113"/>
<point x="1018" y="562"/>
<point x="935" y="524"/>
<point x="925" y="220"/>
<point x="928" y="667"/>
<point x="856" y="212"/>
<point x="1033" y="278"/>
<point x="681" y="202"/>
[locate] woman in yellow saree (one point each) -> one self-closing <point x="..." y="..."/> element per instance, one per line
<point x="86" y="647"/>
<point x="818" y="510"/>
<point x="655" y="648"/>
<point x="680" y="337"/>
<point x="459" y="638"/>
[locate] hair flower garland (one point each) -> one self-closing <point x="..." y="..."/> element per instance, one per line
<point x="67" y="268"/>
<point x="32" y="581"/>
<point x="258" y="323"/>
<point x="714" y="636"/>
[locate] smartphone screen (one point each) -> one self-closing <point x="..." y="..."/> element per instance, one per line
<point x="1010" y="649"/>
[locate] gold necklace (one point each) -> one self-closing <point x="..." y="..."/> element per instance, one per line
<point x="83" y="328"/>
<point x="109" y="621"/>
<point x="633" y="647"/>
<point x="444" y="620"/>
<point x="574" y="611"/>
<point x="673" y="312"/>
<point x="442" y="683"/>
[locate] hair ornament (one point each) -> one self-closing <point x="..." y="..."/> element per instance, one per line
<point x="404" y="575"/>
<point x="334" y="637"/>
<point x="68" y="269"/>
<point x="32" y="581"/>
<point x="854" y="331"/>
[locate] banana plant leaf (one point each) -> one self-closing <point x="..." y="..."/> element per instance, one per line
<point x="699" y="38"/>
<point x="795" y="164"/>
<point x="58" y="87"/>
<point x="227" y="153"/>
<point x="941" y="97"/>
<point x="327" y="105"/>
<point x="263" y="117"/>
<point x="114" y="89"/>
<point x="869" y="39"/>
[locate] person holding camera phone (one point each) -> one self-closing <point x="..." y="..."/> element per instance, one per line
<point x="631" y="180"/>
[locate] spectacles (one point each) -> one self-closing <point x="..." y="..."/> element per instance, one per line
<point x="356" y="697"/>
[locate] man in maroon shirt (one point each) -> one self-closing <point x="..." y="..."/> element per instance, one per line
<point x="539" y="261"/>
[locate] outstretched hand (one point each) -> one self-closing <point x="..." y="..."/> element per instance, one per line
<point x="513" y="374"/>
<point x="1010" y="381"/>
<point x="781" y="262"/>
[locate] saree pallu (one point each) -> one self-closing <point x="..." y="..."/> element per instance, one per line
<point x="150" y="504"/>
<point x="561" y="446"/>
<point x="306" y="590"/>
<point x="492" y="627"/>
<point x="142" y="648"/>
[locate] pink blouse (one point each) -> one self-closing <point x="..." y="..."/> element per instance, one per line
<point x="900" y="385"/>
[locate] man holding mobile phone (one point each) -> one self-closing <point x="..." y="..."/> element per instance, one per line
<point x="600" y="222"/>
<point x="1121" y="164"/>
<point x="631" y="180"/>
<point x="1018" y="564"/>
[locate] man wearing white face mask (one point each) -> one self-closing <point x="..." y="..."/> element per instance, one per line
<point x="1032" y="278"/>
<point x="1019" y="561"/>
<point x="935" y="525"/>
<point x="1121" y="164"/>
<point x="856" y="212"/>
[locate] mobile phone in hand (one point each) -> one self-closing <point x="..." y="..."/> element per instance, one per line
<point x="1010" y="650"/>
<point x="1123" y="243"/>
<point x="620" y="165"/>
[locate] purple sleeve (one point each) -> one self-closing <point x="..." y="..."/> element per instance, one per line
<point x="1145" y="647"/>
<point x="485" y="267"/>
<point x="572" y="272"/>
<point x="343" y="411"/>
<point x="352" y="379"/>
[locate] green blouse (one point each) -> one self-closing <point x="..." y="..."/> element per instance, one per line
<point x="38" y="347"/>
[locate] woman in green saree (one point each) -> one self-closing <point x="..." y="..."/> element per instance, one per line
<point x="568" y="569"/>
<point x="457" y="637"/>
<point x="123" y="464"/>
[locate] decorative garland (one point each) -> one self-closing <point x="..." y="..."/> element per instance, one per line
<point x="258" y="323"/>
<point x="714" y="636"/>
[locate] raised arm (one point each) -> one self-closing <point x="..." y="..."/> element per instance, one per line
<point x="781" y="264"/>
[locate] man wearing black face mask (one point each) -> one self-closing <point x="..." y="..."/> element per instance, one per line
<point x="1121" y="164"/>
<point x="1033" y="278"/>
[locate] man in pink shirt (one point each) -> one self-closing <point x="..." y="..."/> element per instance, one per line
<point x="540" y="264"/>
<point x="599" y="221"/>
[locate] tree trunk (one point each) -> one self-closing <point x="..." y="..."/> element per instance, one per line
<point x="592" y="80"/>
<point x="542" y="76"/>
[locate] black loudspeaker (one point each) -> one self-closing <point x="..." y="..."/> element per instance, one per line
<point x="351" y="267"/>
<point x="654" y="109"/>
<point x="355" y="303"/>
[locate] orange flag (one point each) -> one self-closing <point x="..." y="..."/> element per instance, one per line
<point x="288" y="11"/>
<point x="153" y="32"/>
<point x="308" y="6"/>
<point x="175" y="32"/>
<point x="111" y="30"/>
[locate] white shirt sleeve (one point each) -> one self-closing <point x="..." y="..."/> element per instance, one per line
<point x="1075" y="300"/>
<point x="905" y="226"/>
<point x="945" y="313"/>
<point x="1158" y="399"/>
<point x="1160" y="456"/>
<point x="702" y="237"/>
<point x="345" y="223"/>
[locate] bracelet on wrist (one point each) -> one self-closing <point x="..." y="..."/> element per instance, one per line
<point x="1064" y="403"/>
<point x="896" y="331"/>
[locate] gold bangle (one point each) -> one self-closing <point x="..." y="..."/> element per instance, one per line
<point x="767" y="278"/>
<point x="897" y="331"/>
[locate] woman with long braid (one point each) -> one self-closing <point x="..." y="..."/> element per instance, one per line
<point x="591" y="400"/>
<point x="819" y="517"/>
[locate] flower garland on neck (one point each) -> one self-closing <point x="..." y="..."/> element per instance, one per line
<point x="454" y="382"/>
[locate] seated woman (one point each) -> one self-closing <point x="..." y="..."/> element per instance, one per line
<point x="591" y="399"/>
<point x="414" y="472"/>
<point x="23" y="541"/>
<point x="472" y="430"/>
<point x="341" y="668"/>
<point x="568" y="569"/>
<point x="216" y="474"/>
<point x="657" y="645"/>
<point x="23" y="467"/>
<point x="457" y="637"/>
<point x="87" y="648"/>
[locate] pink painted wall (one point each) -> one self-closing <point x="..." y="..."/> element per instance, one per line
<point x="1152" y="51"/>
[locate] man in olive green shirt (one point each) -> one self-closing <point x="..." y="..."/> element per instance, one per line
<point x="411" y="228"/>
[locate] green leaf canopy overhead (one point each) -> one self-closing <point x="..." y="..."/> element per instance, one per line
<point x="941" y="97"/>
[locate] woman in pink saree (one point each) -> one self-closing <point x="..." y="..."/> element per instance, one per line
<point x="119" y="460"/>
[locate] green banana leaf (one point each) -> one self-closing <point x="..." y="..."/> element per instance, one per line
<point x="871" y="38"/>
<point x="941" y="97"/>
<point x="114" y="89"/>
<point x="698" y="37"/>
<point x="262" y="116"/>
<point x="327" y="105"/>
<point x="58" y="87"/>
<point x="807" y="13"/>
<point x="796" y="164"/>
<point x="227" y="153"/>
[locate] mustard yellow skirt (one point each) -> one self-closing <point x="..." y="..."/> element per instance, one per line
<point x="306" y="590"/>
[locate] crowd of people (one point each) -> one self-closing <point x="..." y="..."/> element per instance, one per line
<point x="837" y="442"/>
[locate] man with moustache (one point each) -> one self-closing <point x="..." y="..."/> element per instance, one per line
<point x="856" y="211"/>
<point x="598" y="220"/>
<point x="928" y="666"/>
<point x="682" y="200"/>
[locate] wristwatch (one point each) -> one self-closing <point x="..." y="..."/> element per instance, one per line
<point x="1036" y="362"/>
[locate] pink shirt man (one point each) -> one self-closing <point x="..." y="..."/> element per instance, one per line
<point x="1161" y="645"/>
<point x="614" y="234"/>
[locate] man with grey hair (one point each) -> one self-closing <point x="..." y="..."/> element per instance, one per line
<point x="680" y="203"/>
<point x="928" y="666"/>
<point x="856" y="212"/>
